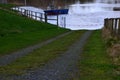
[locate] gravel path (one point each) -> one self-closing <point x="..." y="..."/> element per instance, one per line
<point x="61" y="68"/>
<point x="7" y="59"/>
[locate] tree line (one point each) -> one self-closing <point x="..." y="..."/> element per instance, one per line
<point x="45" y="3"/>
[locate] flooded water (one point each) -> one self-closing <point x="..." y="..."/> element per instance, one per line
<point x="89" y="16"/>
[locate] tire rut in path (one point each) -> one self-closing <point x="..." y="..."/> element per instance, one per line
<point x="7" y="59"/>
<point x="60" y="68"/>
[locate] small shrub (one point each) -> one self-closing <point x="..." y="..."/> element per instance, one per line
<point x="114" y="51"/>
<point x="111" y="41"/>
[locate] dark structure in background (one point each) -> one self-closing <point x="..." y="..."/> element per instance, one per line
<point x="3" y="1"/>
<point x="56" y="11"/>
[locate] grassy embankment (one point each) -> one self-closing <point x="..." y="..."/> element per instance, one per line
<point x="95" y="64"/>
<point x="17" y="32"/>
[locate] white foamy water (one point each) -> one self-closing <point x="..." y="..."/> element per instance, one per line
<point x="90" y="21"/>
<point x="84" y="16"/>
<point x="91" y="16"/>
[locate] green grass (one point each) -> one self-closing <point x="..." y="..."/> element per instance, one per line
<point x="41" y="56"/>
<point x="95" y="63"/>
<point x="17" y="32"/>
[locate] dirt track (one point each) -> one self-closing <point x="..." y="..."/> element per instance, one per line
<point x="7" y="59"/>
<point x="61" y="68"/>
